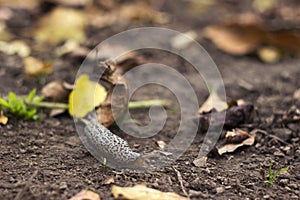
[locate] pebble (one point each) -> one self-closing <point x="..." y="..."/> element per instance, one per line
<point x="266" y="197"/>
<point x="284" y="181"/>
<point x="278" y="153"/>
<point x="220" y="190"/>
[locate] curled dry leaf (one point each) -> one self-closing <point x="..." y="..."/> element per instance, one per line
<point x="108" y="181"/>
<point x="86" y="195"/>
<point x="141" y="192"/>
<point x="51" y="28"/>
<point x="55" y="91"/>
<point x="3" y="118"/>
<point x="236" y="136"/>
<point x="35" y="67"/>
<point x="211" y="101"/>
<point x="232" y="147"/>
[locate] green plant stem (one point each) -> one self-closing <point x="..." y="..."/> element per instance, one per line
<point x="51" y="105"/>
<point x="147" y="103"/>
<point x="131" y="105"/>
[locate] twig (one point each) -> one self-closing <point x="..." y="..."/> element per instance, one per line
<point x="26" y="187"/>
<point x="269" y="135"/>
<point x="147" y="103"/>
<point x="131" y="105"/>
<point x="181" y="182"/>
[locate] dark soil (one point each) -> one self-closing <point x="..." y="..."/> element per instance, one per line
<point x="46" y="160"/>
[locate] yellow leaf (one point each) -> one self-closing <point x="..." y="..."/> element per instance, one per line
<point x="85" y="97"/>
<point x="61" y="24"/>
<point x="141" y="192"/>
<point x="3" y="118"/>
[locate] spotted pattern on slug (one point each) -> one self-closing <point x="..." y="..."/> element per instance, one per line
<point x="108" y="144"/>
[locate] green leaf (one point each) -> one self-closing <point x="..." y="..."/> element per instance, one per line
<point x="12" y="99"/>
<point x="281" y="171"/>
<point x="31" y="95"/>
<point x="37" y="99"/>
<point x="30" y="113"/>
<point x="4" y="103"/>
<point x="270" y="175"/>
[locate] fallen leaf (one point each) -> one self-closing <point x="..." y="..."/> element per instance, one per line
<point x="55" y="91"/>
<point x="15" y="47"/>
<point x="127" y="13"/>
<point x="296" y="95"/>
<point x="269" y="54"/>
<point x="141" y="192"/>
<point x="232" y="147"/>
<point x="236" y="136"/>
<point x="35" y="67"/>
<point x="200" y="162"/>
<point x="68" y="47"/>
<point x="56" y="112"/>
<point x="3" y="118"/>
<point x="236" y="39"/>
<point x="108" y="181"/>
<point x="208" y="105"/>
<point x="85" y="97"/>
<point x="182" y="41"/>
<point x="61" y="24"/>
<point x="161" y="144"/>
<point x="5" y="35"/>
<point x="263" y="5"/>
<point x="86" y="195"/>
<point x="20" y="4"/>
<point x="73" y="2"/>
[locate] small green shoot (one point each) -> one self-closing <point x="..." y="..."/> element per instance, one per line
<point x="272" y="176"/>
<point x="21" y="108"/>
<point x="104" y="163"/>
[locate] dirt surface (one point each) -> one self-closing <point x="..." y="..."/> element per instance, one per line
<point x="46" y="160"/>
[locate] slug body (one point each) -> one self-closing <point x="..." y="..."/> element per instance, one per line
<point x="107" y="145"/>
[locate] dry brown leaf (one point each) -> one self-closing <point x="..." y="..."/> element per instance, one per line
<point x="86" y="195"/>
<point x="136" y="11"/>
<point x="20" y="4"/>
<point x="73" y="2"/>
<point x="108" y="181"/>
<point x="236" y="39"/>
<point x="35" y="67"/>
<point x="236" y="136"/>
<point x="55" y="91"/>
<point x="56" y="112"/>
<point x="232" y="147"/>
<point x="141" y="192"/>
<point x="51" y="28"/>
<point x="207" y="106"/>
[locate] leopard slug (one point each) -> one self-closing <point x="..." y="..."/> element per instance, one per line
<point x="105" y="145"/>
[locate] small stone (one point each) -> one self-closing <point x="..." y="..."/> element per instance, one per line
<point x="266" y="197"/>
<point x="296" y="95"/>
<point x="220" y="190"/>
<point x="278" y="153"/>
<point x="284" y="181"/>
<point x="63" y="186"/>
